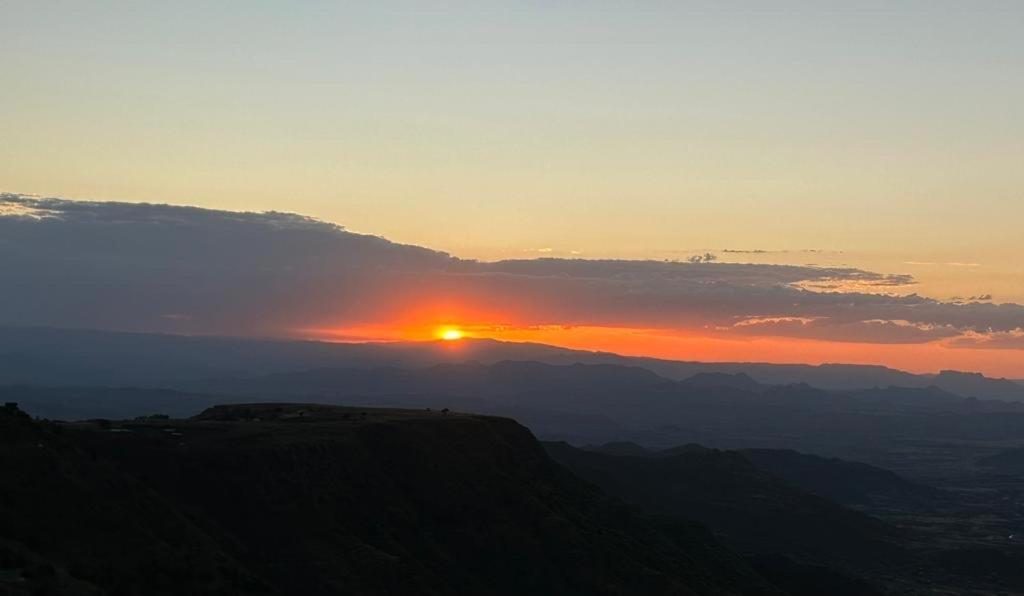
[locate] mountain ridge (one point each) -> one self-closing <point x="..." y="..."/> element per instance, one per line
<point x="80" y="356"/>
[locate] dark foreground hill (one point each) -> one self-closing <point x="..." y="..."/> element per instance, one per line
<point x="294" y="499"/>
<point x="72" y="523"/>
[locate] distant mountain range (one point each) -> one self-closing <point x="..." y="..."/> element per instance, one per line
<point x="71" y="375"/>
<point x="589" y="404"/>
<point x="83" y="357"/>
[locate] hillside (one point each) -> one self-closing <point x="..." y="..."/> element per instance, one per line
<point x="73" y="524"/>
<point x="847" y="482"/>
<point x="841" y="481"/>
<point x="750" y="509"/>
<point x="321" y="500"/>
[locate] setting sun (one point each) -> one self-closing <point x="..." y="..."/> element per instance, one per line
<point x="449" y="333"/>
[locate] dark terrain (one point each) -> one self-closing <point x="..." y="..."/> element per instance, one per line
<point x="273" y="498"/>
<point x="749" y="508"/>
<point x="297" y="499"/>
<point x="718" y="482"/>
<point x="784" y="506"/>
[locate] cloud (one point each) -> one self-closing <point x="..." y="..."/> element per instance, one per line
<point x="190" y="270"/>
<point x="704" y="258"/>
<point x="127" y="266"/>
<point x="978" y="298"/>
<point x="871" y="331"/>
<point x="1000" y="340"/>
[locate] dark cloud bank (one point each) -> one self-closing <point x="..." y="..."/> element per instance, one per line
<point x="184" y="269"/>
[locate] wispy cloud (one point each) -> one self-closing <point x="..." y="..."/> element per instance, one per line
<point x="999" y="340"/>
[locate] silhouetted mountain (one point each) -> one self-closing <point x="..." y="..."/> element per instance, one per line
<point x="749" y="509"/>
<point x="627" y="448"/>
<point x="689" y="448"/>
<point x="501" y="378"/>
<point x="306" y="499"/>
<point x="590" y="404"/>
<point x="846" y="482"/>
<point x="33" y="355"/>
<point x="736" y="381"/>
<point x="977" y="385"/>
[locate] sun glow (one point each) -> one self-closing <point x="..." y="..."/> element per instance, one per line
<point x="449" y="333"/>
<point x="675" y="344"/>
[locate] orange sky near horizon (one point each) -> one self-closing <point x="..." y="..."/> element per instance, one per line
<point x="930" y="357"/>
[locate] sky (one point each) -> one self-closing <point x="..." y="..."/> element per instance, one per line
<point x="189" y="270"/>
<point x="881" y="136"/>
